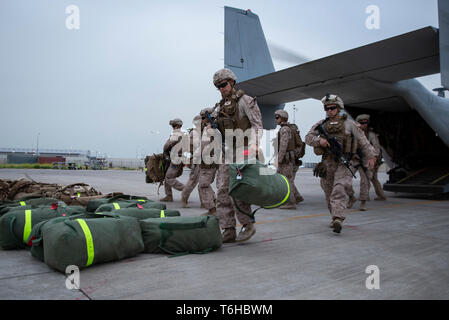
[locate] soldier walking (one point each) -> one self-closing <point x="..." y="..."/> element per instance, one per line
<point x="194" y="168"/>
<point x="286" y="157"/>
<point x="207" y="171"/>
<point x="336" y="177"/>
<point x="236" y="110"/>
<point x="367" y="175"/>
<point x="173" y="170"/>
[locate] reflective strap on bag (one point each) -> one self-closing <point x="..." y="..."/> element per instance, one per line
<point x="27" y="228"/>
<point x="286" y="197"/>
<point x="89" y="241"/>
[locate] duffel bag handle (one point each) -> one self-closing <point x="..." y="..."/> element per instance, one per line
<point x="126" y="197"/>
<point x="183" y="226"/>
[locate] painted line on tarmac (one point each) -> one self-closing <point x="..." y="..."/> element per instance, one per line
<point x="390" y="206"/>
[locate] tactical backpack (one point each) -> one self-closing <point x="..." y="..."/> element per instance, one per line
<point x="155" y="168"/>
<point x="300" y="146"/>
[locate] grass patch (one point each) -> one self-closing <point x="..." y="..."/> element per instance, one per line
<point x="25" y="166"/>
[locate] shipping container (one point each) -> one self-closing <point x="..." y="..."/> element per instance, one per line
<point x="21" y="158"/>
<point x="51" y="160"/>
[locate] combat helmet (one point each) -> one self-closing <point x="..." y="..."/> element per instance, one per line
<point x="332" y="99"/>
<point x="282" y="114"/>
<point x="224" y="74"/>
<point x="175" y="122"/>
<point x="362" y="117"/>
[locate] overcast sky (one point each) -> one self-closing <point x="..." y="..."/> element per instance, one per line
<point x="113" y="85"/>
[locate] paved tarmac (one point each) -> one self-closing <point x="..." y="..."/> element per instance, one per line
<point x="293" y="255"/>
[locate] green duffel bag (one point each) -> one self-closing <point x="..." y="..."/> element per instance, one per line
<point x="181" y="235"/>
<point x="137" y="204"/>
<point x="16" y="225"/>
<point x="139" y="213"/>
<point x="35" y="238"/>
<point x="258" y="184"/>
<point x="6" y="206"/>
<point x="85" y="242"/>
<point x="93" y="204"/>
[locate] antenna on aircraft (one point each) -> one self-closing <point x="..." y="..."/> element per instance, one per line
<point x="440" y="92"/>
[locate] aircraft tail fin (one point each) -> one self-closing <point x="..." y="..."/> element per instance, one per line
<point x="247" y="53"/>
<point x="246" y="49"/>
<point x="443" y="18"/>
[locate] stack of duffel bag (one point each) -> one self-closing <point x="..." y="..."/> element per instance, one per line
<point x="17" y="223"/>
<point x="122" y="201"/>
<point x="7" y="205"/>
<point x="108" y="229"/>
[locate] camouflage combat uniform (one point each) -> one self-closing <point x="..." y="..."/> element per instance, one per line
<point x="193" y="176"/>
<point x="286" y="160"/>
<point x="367" y="175"/>
<point x="338" y="178"/>
<point x="207" y="177"/>
<point x="173" y="170"/>
<point x="249" y="112"/>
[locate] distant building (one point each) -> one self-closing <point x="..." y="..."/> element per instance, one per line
<point x="30" y="155"/>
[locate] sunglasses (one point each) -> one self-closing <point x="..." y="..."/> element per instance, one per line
<point x="276" y="117"/>
<point x="363" y="122"/>
<point x="222" y="85"/>
<point x="330" y="108"/>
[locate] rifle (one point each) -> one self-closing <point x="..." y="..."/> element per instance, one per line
<point x="336" y="148"/>
<point x="212" y="122"/>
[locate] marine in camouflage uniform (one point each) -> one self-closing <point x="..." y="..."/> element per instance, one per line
<point x="194" y="168"/>
<point x="286" y="155"/>
<point x="236" y="110"/>
<point x="207" y="171"/>
<point x="173" y="170"/>
<point x="335" y="176"/>
<point x="367" y="175"/>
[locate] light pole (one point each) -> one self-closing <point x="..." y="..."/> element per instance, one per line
<point x="37" y="145"/>
<point x="294" y="114"/>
